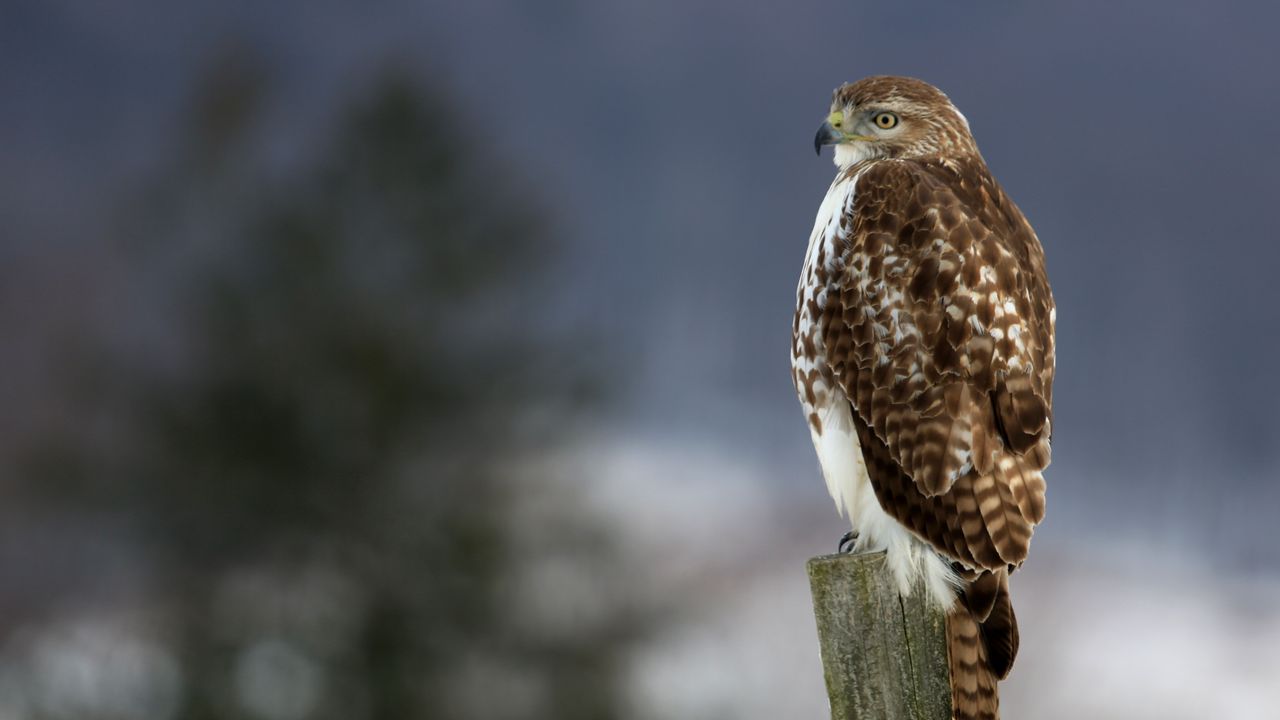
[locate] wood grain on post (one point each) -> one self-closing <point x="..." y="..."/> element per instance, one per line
<point x="884" y="656"/>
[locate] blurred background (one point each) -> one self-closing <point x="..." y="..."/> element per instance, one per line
<point x="426" y="360"/>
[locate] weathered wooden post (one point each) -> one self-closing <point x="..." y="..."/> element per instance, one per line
<point x="884" y="656"/>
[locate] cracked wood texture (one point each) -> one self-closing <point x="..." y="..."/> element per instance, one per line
<point x="884" y="657"/>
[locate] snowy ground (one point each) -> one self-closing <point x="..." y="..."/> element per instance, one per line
<point x="1110" y="628"/>
<point x="712" y="544"/>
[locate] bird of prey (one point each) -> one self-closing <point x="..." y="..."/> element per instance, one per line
<point x="922" y="352"/>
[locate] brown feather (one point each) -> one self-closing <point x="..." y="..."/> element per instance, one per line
<point x="1000" y="630"/>
<point x="973" y="684"/>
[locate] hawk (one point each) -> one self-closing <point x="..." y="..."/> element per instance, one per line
<point x="922" y="352"/>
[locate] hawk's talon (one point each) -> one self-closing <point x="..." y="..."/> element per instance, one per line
<point x="848" y="539"/>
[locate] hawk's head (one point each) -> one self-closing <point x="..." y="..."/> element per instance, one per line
<point x="893" y="117"/>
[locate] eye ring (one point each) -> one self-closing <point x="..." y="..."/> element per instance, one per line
<point x="885" y="120"/>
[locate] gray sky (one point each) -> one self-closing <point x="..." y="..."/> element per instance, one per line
<point x="671" y="143"/>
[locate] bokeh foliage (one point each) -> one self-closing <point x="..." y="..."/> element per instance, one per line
<point x="318" y="463"/>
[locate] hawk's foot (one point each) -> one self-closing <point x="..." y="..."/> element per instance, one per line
<point x="847" y="541"/>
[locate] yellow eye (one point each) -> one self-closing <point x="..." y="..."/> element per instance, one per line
<point x="885" y="120"/>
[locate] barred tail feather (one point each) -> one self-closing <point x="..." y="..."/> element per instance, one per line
<point x="982" y="643"/>
<point x="973" y="685"/>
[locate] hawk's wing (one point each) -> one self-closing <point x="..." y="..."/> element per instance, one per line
<point x="946" y="349"/>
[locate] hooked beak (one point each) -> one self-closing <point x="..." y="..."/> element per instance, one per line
<point x="827" y="135"/>
<point x="835" y="131"/>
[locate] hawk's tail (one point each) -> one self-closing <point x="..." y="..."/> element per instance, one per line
<point x="982" y="640"/>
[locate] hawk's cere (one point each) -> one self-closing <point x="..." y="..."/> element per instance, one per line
<point x="922" y="351"/>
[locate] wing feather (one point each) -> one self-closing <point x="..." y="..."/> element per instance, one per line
<point x="945" y="341"/>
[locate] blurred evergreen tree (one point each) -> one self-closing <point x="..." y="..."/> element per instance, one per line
<point x="323" y="475"/>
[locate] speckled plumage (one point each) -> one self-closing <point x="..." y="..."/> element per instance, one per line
<point x="923" y="355"/>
